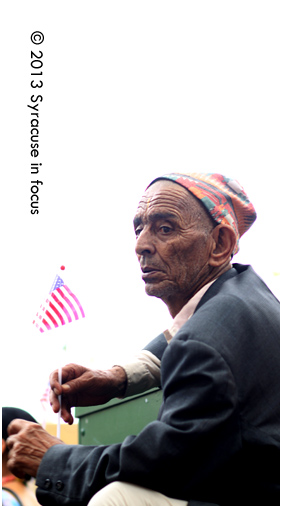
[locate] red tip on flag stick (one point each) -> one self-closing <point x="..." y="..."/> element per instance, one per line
<point x="63" y="267"/>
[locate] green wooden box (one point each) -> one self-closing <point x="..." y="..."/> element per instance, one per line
<point x="112" y="422"/>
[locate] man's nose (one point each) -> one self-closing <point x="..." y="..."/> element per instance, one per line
<point x="144" y="243"/>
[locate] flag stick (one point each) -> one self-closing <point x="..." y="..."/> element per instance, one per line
<point x="60" y="397"/>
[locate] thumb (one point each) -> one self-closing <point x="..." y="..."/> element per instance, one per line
<point x="62" y="389"/>
<point x="67" y="387"/>
<point x="72" y="386"/>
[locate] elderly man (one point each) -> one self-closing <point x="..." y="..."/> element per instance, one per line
<point x="216" y="438"/>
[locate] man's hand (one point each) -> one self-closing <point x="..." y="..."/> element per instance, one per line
<point x="85" y="387"/>
<point x="27" y="443"/>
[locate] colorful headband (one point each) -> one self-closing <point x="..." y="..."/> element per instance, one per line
<point x="224" y="199"/>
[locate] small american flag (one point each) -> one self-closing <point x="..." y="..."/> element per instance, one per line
<point x="61" y="307"/>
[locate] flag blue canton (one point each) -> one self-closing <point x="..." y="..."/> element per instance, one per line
<point x="58" y="282"/>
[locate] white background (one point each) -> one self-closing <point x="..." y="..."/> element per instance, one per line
<point x="131" y="90"/>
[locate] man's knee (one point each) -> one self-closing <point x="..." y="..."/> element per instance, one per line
<point x="113" y="494"/>
<point x="127" y="494"/>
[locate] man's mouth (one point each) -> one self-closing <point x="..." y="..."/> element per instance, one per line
<point x="149" y="272"/>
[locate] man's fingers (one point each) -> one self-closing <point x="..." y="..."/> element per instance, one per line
<point x="67" y="416"/>
<point x="15" y="470"/>
<point x="54" y="398"/>
<point x="16" y="425"/>
<point x="56" y="388"/>
<point x="10" y="442"/>
<point x="55" y="392"/>
<point x="27" y="445"/>
<point x="54" y="383"/>
<point x="65" y="409"/>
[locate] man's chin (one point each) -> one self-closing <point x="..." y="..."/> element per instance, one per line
<point x="159" y="290"/>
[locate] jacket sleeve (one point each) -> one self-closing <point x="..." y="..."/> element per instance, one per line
<point x="143" y="371"/>
<point x="172" y="454"/>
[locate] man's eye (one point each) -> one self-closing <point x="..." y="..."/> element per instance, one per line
<point x="138" y="231"/>
<point x="165" y="229"/>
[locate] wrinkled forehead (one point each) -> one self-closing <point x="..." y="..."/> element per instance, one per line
<point x="162" y="192"/>
<point x="165" y="196"/>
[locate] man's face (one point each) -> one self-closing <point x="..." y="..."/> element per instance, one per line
<point x="171" y="247"/>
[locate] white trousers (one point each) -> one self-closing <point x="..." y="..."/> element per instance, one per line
<point x="127" y="494"/>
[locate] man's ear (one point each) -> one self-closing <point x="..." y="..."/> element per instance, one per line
<point x="224" y="241"/>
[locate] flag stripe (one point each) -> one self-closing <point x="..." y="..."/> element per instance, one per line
<point x="62" y="306"/>
<point x="68" y="296"/>
<point x="37" y="326"/>
<point x="57" y="312"/>
<point x="52" y="319"/>
<point x="48" y="320"/>
<point x="68" y="301"/>
<point x="46" y="324"/>
<point x="75" y="299"/>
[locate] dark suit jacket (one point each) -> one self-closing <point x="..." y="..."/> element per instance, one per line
<point x="216" y="439"/>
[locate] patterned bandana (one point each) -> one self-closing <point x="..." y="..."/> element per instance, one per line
<point x="224" y="199"/>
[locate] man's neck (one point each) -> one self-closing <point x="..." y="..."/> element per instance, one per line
<point x="175" y="303"/>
